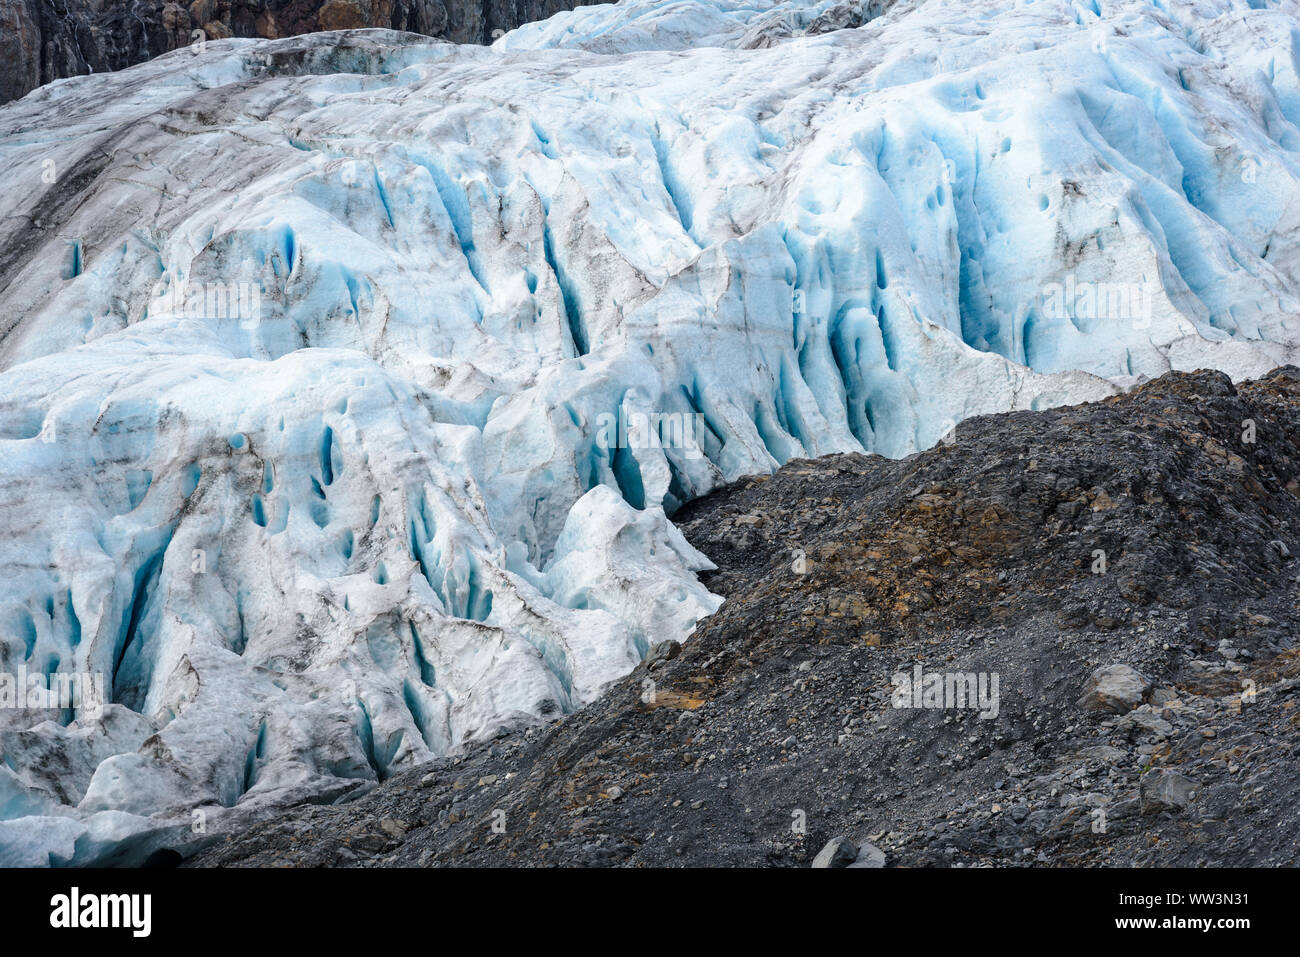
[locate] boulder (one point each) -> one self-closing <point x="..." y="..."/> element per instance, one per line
<point x="838" y="852"/>
<point x="1114" y="688"/>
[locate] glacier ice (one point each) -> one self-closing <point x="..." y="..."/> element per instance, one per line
<point x="307" y="343"/>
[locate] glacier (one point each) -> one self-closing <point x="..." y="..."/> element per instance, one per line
<point x="308" y="343"/>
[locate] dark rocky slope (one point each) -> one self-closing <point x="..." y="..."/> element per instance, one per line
<point x="772" y="730"/>
<point x="45" y="40"/>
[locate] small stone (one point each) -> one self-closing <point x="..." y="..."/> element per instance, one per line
<point x="1143" y="719"/>
<point x="869" y="856"/>
<point x="1165" y="791"/>
<point x="1104" y="753"/>
<point x="838" y="852"/>
<point x="1101" y="501"/>
<point x="662" y="652"/>
<point x="1163" y="696"/>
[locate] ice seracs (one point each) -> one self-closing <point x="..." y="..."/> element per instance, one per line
<point x="311" y="347"/>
